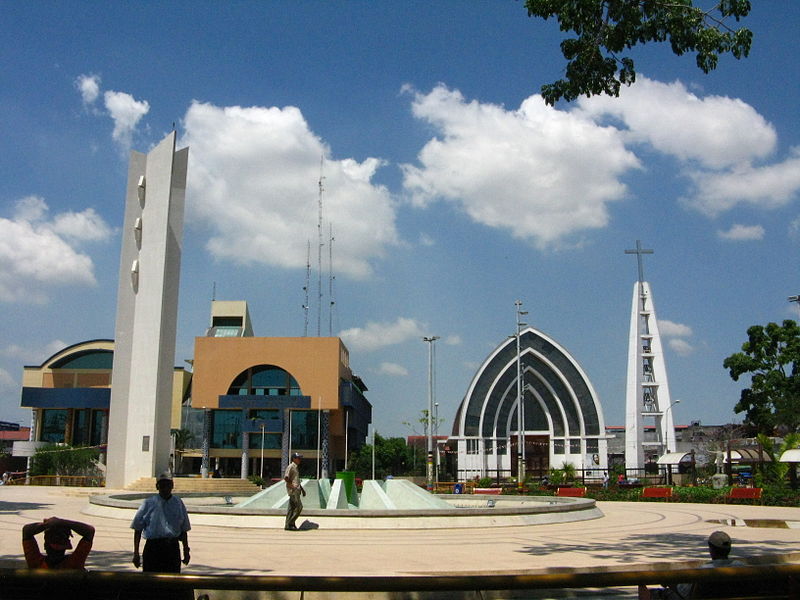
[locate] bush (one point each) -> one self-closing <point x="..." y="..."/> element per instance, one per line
<point x="259" y="481"/>
<point x="485" y="482"/>
<point x="62" y="459"/>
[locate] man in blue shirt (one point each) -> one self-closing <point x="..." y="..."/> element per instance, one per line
<point x="163" y="521"/>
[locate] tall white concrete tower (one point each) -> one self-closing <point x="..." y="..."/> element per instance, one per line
<point x="647" y="399"/>
<point x="147" y="307"/>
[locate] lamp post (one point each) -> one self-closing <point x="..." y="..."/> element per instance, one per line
<point x="666" y="411"/>
<point x="520" y="419"/>
<point x="261" y="475"/>
<point x="429" y="470"/>
<point x="436" y="441"/>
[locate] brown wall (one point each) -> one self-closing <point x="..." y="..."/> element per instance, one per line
<point x="316" y="363"/>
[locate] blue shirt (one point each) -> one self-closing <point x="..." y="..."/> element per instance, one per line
<point x="159" y="518"/>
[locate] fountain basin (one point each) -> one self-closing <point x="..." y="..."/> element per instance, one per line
<point x="463" y="511"/>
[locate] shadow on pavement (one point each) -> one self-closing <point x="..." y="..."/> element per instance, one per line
<point x="648" y="548"/>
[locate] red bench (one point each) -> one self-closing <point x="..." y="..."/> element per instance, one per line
<point x="657" y="492"/>
<point x="487" y="490"/>
<point x="571" y="492"/>
<point x="744" y="493"/>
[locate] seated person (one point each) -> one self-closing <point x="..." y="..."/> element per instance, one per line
<point x="719" y="546"/>
<point x="56" y="542"/>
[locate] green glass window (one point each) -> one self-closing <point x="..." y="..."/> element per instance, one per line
<point x="226" y="428"/>
<point x="265" y="380"/>
<point x="54" y="425"/>
<point x="80" y="427"/>
<point x="272" y="441"/>
<point x="304" y="429"/>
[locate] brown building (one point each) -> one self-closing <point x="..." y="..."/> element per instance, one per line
<point x="258" y="399"/>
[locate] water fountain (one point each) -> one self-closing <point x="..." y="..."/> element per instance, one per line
<point x="387" y="504"/>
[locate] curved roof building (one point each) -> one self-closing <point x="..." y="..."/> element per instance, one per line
<point x="563" y="419"/>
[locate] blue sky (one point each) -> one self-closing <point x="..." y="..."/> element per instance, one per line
<point x="450" y="188"/>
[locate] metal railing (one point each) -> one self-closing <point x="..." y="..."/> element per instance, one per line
<point x="62" y="480"/>
<point x="766" y="580"/>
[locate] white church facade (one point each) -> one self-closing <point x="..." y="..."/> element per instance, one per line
<point x="562" y="420"/>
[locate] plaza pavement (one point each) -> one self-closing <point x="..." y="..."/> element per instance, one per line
<point x="631" y="535"/>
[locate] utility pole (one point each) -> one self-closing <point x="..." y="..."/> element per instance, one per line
<point x="429" y="471"/>
<point x="520" y="417"/>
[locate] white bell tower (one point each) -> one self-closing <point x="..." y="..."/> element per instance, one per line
<point x="647" y="398"/>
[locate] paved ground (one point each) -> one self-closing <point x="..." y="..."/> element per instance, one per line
<point x="630" y="534"/>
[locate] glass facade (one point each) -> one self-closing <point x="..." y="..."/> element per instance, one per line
<point x="226" y="428"/>
<point x="272" y="441"/>
<point x="264" y="380"/>
<point x="304" y="429"/>
<point x="54" y="424"/>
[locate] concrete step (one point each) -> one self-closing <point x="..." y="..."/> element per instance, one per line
<point x="197" y="484"/>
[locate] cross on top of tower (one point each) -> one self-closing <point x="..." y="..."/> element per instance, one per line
<point x="639" y="251"/>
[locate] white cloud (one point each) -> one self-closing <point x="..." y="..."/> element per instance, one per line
<point x="677" y="332"/>
<point x="35" y="254"/>
<point x="86" y="225"/>
<point x="681" y="347"/>
<point x="6" y="380"/>
<point x="715" y="131"/>
<point x="426" y="240"/>
<point x="254" y="183"/>
<point x="672" y="329"/>
<point x="33" y="355"/>
<point x="770" y="186"/>
<point x="380" y="335"/>
<point x="89" y="87"/>
<point x="126" y="113"/>
<point x="538" y="172"/>
<point x="452" y="340"/>
<point x="739" y="233"/>
<point x="392" y="370"/>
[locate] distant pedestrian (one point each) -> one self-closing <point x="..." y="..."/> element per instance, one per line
<point x="605" y="480"/>
<point x="164" y="522"/>
<point x="56" y="542"/>
<point x="294" y="488"/>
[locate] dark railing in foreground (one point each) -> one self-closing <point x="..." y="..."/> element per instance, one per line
<point x="752" y="581"/>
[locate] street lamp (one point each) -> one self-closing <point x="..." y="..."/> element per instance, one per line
<point x="429" y="471"/>
<point x="520" y="419"/>
<point x="261" y="475"/>
<point x="666" y="411"/>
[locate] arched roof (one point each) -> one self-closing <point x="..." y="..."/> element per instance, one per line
<point x="96" y="354"/>
<point x="558" y="396"/>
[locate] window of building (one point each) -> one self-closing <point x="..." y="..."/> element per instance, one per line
<point x="488" y="447"/>
<point x="226" y="428"/>
<point x="472" y="446"/>
<point x="54" y="425"/>
<point x="592" y="446"/>
<point x="264" y="380"/>
<point x="558" y="446"/>
<point x="272" y="441"/>
<point x="81" y="423"/>
<point x="304" y="429"/>
<point x="574" y="446"/>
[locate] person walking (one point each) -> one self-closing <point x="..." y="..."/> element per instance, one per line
<point x="164" y="522"/>
<point x="56" y="542"/>
<point x="294" y="488"/>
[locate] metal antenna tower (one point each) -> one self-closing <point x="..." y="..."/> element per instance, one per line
<point x="305" y="289"/>
<point x="331" y="277"/>
<point x="319" y="249"/>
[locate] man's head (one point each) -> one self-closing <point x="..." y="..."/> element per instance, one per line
<point x="296" y="458"/>
<point x="164" y="485"/>
<point x="719" y="544"/>
<point x="56" y="540"/>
